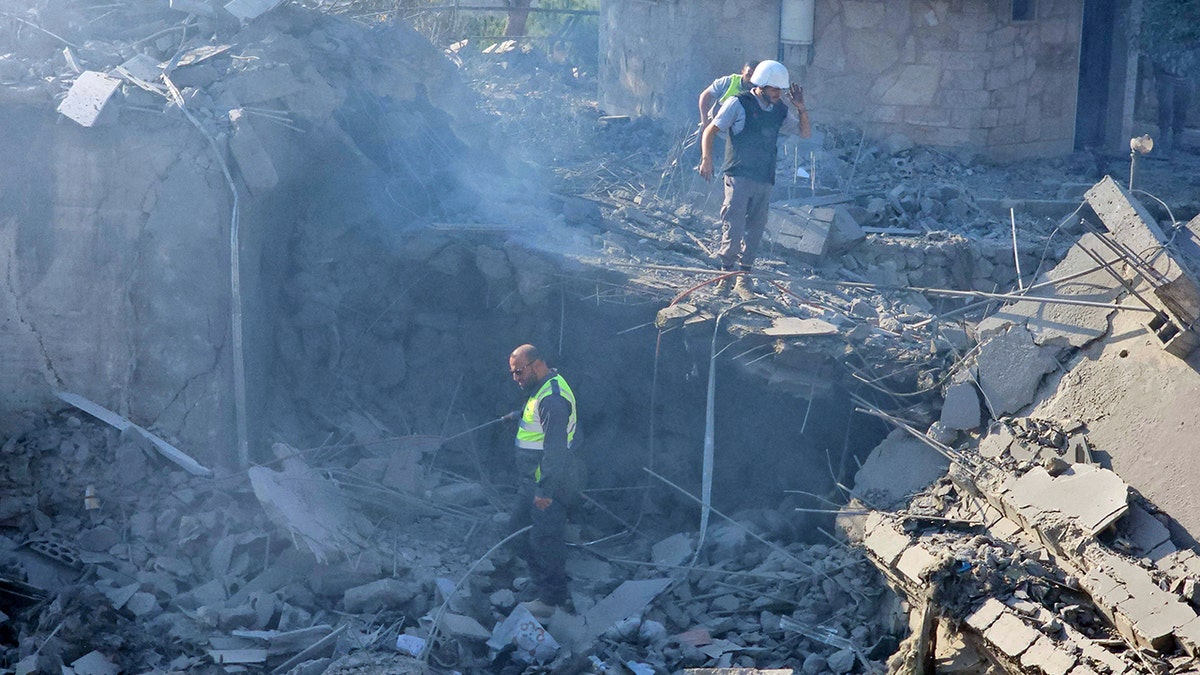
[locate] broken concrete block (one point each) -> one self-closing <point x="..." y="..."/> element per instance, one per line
<point x="1043" y="656"/>
<point x="378" y="595"/>
<point x="886" y="543"/>
<point x="94" y="663"/>
<point x="248" y="10"/>
<point x="1093" y="496"/>
<point x="673" y="550"/>
<point x="1011" y="635"/>
<point x="197" y="7"/>
<point x="630" y="598"/>
<point x="98" y="539"/>
<point x="813" y="231"/>
<point x="1131" y="225"/>
<point x="899" y="466"/>
<point x="463" y="626"/>
<point x="916" y="564"/>
<point x="960" y="409"/>
<point x="1010" y="368"/>
<point x="1143" y="530"/>
<point x="1188" y="636"/>
<point x="88" y="96"/>
<point x="410" y="644"/>
<point x="142" y="604"/>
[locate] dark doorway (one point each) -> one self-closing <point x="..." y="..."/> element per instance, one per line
<point x="1095" y="61"/>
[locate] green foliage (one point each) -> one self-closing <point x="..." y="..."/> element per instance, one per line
<point x="1168" y="23"/>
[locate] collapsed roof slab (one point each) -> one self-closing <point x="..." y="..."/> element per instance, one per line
<point x="1060" y="324"/>
<point x="1135" y="230"/>
<point x="1138" y="403"/>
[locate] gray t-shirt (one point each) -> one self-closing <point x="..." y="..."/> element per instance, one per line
<point x="732" y="116"/>
<point x="718" y="88"/>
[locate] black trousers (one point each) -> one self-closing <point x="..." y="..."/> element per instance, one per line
<point x="546" y="552"/>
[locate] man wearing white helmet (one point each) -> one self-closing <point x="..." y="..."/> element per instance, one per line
<point x="753" y="120"/>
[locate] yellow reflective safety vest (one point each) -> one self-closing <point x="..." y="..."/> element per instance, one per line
<point x="530" y="435"/>
<point x="734" y="88"/>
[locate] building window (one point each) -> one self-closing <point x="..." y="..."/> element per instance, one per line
<point x="1024" y="10"/>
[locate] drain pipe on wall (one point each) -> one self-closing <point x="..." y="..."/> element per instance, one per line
<point x="796" y="21"/>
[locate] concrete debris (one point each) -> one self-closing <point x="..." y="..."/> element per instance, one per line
<point x="88" y="97"/>
<point x="960" y="409"/>
<point x="248" y="10"/>
<point x="898" y="467"/>
<point x="164" y="448"/>
<point x="1011" y="367"/>
<point x="812" y="232"/>
<point x="309" y="508"/>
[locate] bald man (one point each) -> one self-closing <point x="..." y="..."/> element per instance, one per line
<point x="547" y="476"/>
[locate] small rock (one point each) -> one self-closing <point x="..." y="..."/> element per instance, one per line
<point x="503" y="599"/>
<point x="142" y="604"/>
<point x="99" y="539"/>
<point x="842" y="661"/>
<point x="814" y="664"/>
<point x="378" y="595"/>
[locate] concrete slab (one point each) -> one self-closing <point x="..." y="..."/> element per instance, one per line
<point x="916" y="563"/>
<point x="791" y="326"/>
<point x="1143" y="530"/>
<point x="1011" y="635"/>
<point x="995" y="444"/>
<point x="1057" y="324"/>
<point x="1132" y="225"/>
<point x="899" y="466"/>
<point x="673" y="550"/>
<point x="630" y="598"/>
<point x="1093" y="496"/>
<point x="960" y="409"/>
<point x="1043" y="656"/>
<point x="88" y="97"/>
<point x="1011" y="367"/>
<point x="886" y="543"/>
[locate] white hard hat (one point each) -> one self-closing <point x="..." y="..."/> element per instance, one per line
<point x="770" y="74"/>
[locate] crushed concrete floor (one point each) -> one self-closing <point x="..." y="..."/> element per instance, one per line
<point x="969" y="460"/>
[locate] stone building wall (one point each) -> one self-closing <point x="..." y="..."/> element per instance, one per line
<point x="951" y="73"/>
<point x="957" y="73"/>
<point x="656" y="55"/>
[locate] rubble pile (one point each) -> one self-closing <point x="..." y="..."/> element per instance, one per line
<point x="1035" y="552"/>
<point x="125" y="561"/>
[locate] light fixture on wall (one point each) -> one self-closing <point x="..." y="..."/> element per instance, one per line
<point x="1139" y="145"/>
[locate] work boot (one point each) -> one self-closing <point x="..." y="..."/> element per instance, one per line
<point x="744" y="288"/>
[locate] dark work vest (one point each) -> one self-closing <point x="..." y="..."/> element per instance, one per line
<point x="751" y="152"/>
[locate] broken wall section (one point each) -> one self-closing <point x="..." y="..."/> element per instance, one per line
<point x="119" y="269"/>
